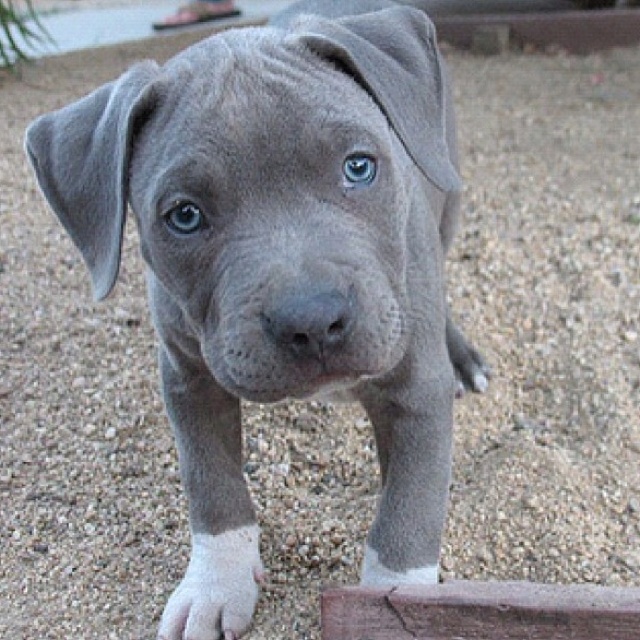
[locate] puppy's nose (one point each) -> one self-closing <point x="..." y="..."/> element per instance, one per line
<point x="311" y="325"/>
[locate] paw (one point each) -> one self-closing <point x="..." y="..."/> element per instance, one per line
<point x="472" y="371"/>
<point x="375" y="574"/>
<point x="472" y="374"/>
<point x="218" y="594"/>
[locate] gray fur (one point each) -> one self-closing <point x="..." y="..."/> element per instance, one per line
<point x="300" y="283"/>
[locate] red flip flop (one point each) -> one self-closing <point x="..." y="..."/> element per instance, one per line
<point x="194" y="13"/>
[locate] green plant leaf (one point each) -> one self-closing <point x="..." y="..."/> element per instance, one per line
<point x="13" y="23"/>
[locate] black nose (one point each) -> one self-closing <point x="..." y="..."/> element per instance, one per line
<point x="311" y="325"/>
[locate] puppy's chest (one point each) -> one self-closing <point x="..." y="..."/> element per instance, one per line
<point x="336" y="392"/>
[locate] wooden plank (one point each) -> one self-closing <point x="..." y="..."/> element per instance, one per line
<point x="462" y="610"/>
<point x="578" y="32"/>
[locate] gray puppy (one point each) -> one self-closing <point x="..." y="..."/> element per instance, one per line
<point x="295" y="190"/>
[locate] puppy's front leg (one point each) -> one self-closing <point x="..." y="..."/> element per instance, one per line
<point x="413" y="433"/>
<point x="219" y="591"/>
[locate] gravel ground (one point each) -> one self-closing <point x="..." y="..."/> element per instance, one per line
<point x="545" y="277"/>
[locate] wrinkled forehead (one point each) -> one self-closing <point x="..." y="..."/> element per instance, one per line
<point x="260" y="85"/>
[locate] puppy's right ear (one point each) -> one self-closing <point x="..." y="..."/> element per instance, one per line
<point x="392" y="53"/>
<point x="80" y="155"/>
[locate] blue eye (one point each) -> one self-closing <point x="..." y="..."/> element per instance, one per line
<point x="360" y="169"/>
<point x="185" y="218"/>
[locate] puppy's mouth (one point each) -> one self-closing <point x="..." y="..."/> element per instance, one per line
<point x="298" y="385"/>
<point x="308" y="345"/>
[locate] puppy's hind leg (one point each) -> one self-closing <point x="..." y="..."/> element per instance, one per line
<point x="471" y="369"/>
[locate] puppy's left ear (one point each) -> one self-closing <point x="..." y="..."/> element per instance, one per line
<point x="393" y="54"/>
<point x="80" y="155"/>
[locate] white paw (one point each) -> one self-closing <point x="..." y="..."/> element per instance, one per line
<point x="480" y="381"/>
<point x="375" y="574"/>
<point x="219" y="591"/>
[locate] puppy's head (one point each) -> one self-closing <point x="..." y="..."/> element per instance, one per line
<point x="270" y="174"/>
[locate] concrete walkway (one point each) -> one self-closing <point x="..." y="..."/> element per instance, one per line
<point x="85" y="28"/>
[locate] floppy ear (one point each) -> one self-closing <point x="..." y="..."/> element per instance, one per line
<point x="80" y="155"/>
<point x="393" y="54"/>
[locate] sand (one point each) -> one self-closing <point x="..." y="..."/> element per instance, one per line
<point x="545" y="277"/>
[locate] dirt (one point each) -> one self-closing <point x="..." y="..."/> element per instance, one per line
<point x="545" y="276"/>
